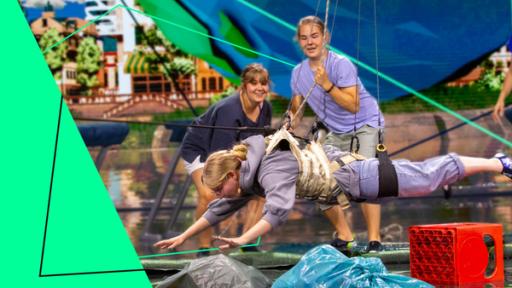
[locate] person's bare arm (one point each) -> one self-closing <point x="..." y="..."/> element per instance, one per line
<point x="174" y="242"/>
<point x="346" y="97"/>
<point x="499" y="107"/>
<point x="260" y="228"/>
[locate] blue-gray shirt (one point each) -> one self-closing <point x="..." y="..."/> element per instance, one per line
<point x="274" y="177"/>
<point x="343" y="74"/>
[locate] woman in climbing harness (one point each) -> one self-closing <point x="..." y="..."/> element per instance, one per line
<point x="329" y="83"/>
<point x="246" y="107"/>
<point x="280" y="172"/>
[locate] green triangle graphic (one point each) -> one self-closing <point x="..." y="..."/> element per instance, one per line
<point x="82" y="221"/>
<point x="83" y="233"/>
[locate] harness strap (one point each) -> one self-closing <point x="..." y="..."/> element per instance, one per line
<point x="388" y="181"/>
<point x="344" y="160"/>
<point x="336" y="191"/>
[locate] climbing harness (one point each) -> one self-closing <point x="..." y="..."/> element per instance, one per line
<point x="315" y="180"/>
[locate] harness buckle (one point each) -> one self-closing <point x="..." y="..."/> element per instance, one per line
<point x="381" y="147"/>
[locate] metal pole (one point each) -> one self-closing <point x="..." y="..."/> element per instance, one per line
<point x="161" y="191"/>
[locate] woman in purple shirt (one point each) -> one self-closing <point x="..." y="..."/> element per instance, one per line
<point x="344" y="106"/>
<point x="245" y="171"/>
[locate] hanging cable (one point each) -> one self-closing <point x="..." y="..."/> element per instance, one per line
<point x="354" y="140"/>
<point x="325" y="43"/>
<point x="327" y="2"/>
<point x="377" y="76"/>
<point x="263" y="130"/>
<point x="287" y="118"/>
<point x="318" y="126"/>
<point x="162" y="60"/>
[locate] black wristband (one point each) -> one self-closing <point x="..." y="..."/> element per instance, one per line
<point x="330" y="89"/>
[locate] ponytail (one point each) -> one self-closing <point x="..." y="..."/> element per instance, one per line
<point x="220" y="163"/>
<point x="240" y="151"/>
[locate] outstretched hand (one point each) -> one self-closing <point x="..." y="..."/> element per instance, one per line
<point x="170" y="243"/>
<point x="230" y="243"/>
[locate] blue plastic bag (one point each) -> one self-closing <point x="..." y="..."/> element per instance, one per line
<point x="324" y="266"/>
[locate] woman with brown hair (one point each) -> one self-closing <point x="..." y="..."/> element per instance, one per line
<point x="246" y="107"/>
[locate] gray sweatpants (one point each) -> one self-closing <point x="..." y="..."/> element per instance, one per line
<point x="361" y="178"/>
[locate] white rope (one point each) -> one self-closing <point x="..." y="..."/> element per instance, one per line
<point x="304" y="101"/>
<point x="300" y="65"/>
<point x="358" y="41"/>
<point x="327" y="2"/>
<point x="377" y="75"/>
<point x="376" y="49"/>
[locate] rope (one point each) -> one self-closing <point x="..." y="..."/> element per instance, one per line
<point x="328" y="44"/>
<point x="334" y="22"/>
<point x="376" y="50"/>
<point x="377" y="78"/>
<point x="327" y="2"/>
<point x="358" y="46"/>
<point x="300" y="67"/>
<point x="178" y="125"/>
<point x="304" y="101"/>
<point x="318" y="6"/>
<point x="263" y="130"/>
<point x="162" y="60"/>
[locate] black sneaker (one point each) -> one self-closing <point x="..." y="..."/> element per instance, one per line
<point x="374" y="247"/>
<point x="343" y="246"/>
<point x="447" y="190"/>
<point x="507" y="164"/>
<point x="250" y="249"/>
<point x="203" y="253"/>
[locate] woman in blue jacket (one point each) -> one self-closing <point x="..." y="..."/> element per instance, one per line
<point x="246" y="107"/>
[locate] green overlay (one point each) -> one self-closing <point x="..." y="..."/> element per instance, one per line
<point x="60" y="228"/>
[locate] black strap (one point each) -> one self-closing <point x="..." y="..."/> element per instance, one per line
<point x="354" y="140"/>
<point x="388" y="181"/>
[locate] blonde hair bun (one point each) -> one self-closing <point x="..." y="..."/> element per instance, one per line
<point x="240" y="151"/>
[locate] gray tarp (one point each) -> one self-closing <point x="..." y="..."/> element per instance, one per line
<point x="217" y="271"/>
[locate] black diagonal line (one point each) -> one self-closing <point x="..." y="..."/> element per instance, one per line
<point x="88" y="273"/>
<point x="51" y="185"/>
<point x="48" y="214"/>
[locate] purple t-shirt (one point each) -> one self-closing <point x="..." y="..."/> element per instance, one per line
<point x="343" y="74"/>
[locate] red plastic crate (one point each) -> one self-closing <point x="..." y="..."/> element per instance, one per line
<point x="456" y="253"/>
